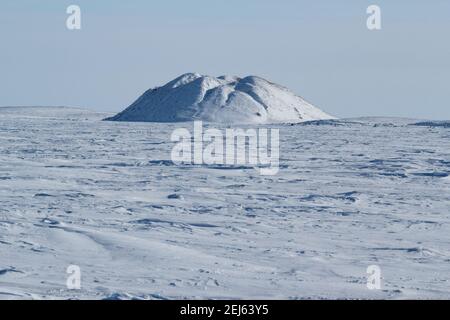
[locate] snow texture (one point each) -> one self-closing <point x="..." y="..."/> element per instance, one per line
<point x="105" y="196"/>
<point x="224" y="100"/>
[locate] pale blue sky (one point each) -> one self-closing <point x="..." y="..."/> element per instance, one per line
<point x="320" y="49"/>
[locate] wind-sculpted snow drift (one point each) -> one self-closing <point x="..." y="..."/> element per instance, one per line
<point x="106" y="197"/>
<point x="224" y="99"/>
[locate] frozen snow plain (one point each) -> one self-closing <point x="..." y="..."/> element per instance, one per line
<point x="106" y="197"/>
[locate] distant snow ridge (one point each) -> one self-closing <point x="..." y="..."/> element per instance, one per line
<point x="224" y="100"/>
<point x="443" y="124"/>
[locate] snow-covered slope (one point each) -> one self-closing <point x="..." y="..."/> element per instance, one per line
<point x="224" y="99"/>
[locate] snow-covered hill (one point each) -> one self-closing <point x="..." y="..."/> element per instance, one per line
<point x="224" y="99"/>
